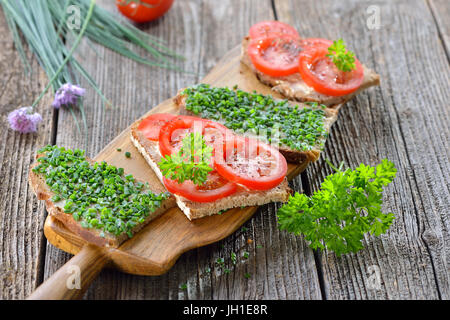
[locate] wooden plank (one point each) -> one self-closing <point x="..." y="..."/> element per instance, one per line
<point x="441" y="13"/>
<point x="21" y="215"/>
<point x="194" y="26"/>
<point x="406" y="121"/>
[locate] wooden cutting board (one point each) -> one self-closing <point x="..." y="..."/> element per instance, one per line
<point x="155" y="249"/>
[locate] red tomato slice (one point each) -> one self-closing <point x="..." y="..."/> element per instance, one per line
<point x="276" y="55"/>
<point x="315" y="42"/>
<point x="151" y="125"/>
<point x="216" y="187"/>
<point x="319" y="72"/>
<point x="265" y="29"/>
<point x="173" y="132"/>
<point x="251" y="163"/>
<point x="143" y="10"/>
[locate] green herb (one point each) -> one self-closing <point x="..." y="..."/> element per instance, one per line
<point x="273" y="121"/>
<point x="45" y="24"/>
<point x="127" y="154"/>
<point x="233" y="258"/>
<point x="246" y="255"/>
<point x="347" y="206"/>
<point x="183" y="286"/>
<point x="190" y="163"/>
<point x="259" y="246"/>
<point x="341" y="57"/>
<point x="247" y="275"/>
<point x="226" y="271"/>
<point x="97" y="195"/>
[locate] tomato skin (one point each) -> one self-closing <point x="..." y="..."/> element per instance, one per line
<point x="190" y="191"/>
<point x="148" y="11"/>
<point x="187" y="123"/>
<point x="251" y="163"/>
<point x="151" y="125"/>
<point x="275" y="55"/>
<point x="266" y="29"/>
<point x="315" y="42"/>
<point x="330" y="80"/>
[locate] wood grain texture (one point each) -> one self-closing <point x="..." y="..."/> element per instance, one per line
<point x="21" y="214"/>
<point x="71" y="281"/>
<point x="405" y="120"/>
<point x="135" y="89"/>
<point x="441" y="14"/>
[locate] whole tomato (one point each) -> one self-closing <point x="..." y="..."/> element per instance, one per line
<point x="143" y="10"/>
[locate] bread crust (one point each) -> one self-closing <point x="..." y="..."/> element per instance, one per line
<point x="91" y="235"/>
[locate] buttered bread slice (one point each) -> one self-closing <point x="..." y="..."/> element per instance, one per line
<point x="243" y="197"/>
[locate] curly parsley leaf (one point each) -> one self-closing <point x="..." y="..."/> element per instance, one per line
<point x="190" y="163"/>
<point x="341" y="57"/>
<point x="347" y="206"/>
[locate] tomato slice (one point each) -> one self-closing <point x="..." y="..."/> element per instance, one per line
<point x="143" y="10"/>
<point x="316" y="42"/>
<point x="216" y="187"/>
<point x="173" y="132"/>
<point x="251" y="163"/>
<point x="151" y="125"/>
<point x="276" y="55"/>
<point x="265" y="29"/>
<point x="319" y="72"/>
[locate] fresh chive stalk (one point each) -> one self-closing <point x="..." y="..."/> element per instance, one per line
<point x="43" y="25"/>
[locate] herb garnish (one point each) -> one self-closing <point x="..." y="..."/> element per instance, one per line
<point x="257" y="114"/>
<point x="97" y="195"/>
<point x="347" y="206"/>
<point x="343" y="59"/>
<point x="190" y="163"/>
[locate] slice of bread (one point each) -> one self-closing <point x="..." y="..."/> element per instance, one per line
<point x="91" y="235"/>
<point x="291" y="155"/>
<point x="293" y="87"/>
<point x="194" y="210"/>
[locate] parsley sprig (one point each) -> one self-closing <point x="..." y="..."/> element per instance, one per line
<point x="347" y="206"/>
<point x="343" y="59"/>
<point x="190" y="163"/>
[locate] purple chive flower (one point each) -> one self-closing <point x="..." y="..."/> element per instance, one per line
<point x="67" y="94"/>
<point x="24" y="120"/>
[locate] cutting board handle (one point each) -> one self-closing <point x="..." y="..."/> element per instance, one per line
<point x="73" y="279"/>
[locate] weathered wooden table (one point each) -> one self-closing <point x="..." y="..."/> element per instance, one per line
<point x="406" y="120"/>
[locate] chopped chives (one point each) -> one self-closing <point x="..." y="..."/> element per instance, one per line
<point x="299" y="128"/>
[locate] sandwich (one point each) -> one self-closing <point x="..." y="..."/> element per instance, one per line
<point x="95" y="200"/>
<point x="304" y="69"/>
<point x="298" y="130"/>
